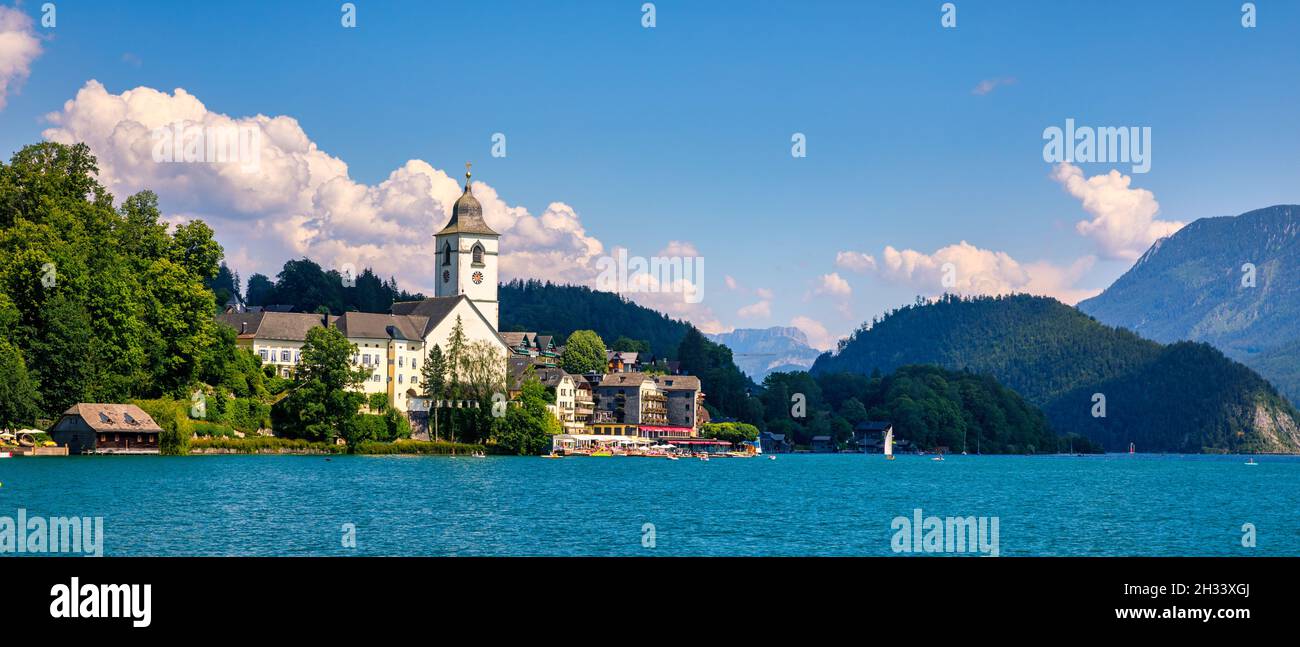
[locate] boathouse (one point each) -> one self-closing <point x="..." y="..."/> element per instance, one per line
<point x="89" y="428"/>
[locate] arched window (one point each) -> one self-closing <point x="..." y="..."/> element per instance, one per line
<point x="478" y="254"/>
<point x="446" y="253"/>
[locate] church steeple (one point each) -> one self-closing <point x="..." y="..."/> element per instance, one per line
<point x="466" y="255"/>
<point x="467" y="213"/>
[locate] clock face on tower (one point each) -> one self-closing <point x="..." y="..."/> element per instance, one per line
<point x="446" y="276"/>
<point x="477" y="277"/>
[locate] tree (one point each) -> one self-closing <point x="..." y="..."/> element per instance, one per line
<point x="527" y="427"/>
<point x="322" y="401"/>
<point x="732" y="432"/>
<point x="584" y="352"/>
<point x="261" y="291"/>
<point x="480" y="377"/>
<point x="627" y="345"/>
<point x="18" y="397"/>
<point x="195" y="249"/>
<point x="433" y="375"/>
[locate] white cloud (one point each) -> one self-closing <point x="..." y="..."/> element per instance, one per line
<point x="764" y="293"/>
<point x="833" y="285"/>
<point x="966" y="269"/>
<point x="731" y="282"/>
<point x="756" y="310"/>
<point x="987" y="86"/>
<point x="855" y="262"/>
<point x="19" y="46"/>
<point x="1124" y="223"/>
<point x="301" y="201"/>
<point x="962" y="268"/>
<point x="818" y="336"/>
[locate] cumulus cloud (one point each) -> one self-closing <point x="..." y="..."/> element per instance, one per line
<point x="1124" y="223"/>
<point x="833" y="285"/>
<point x="818" y="336"/>
<point x="19" y="46"/>
<point x="299" y="200"/>
<point x="962" y="268"/>
<point x="855" y="262"/>
<point x="966" y="269"/>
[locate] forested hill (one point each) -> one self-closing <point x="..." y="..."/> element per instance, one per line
<point x="1225" y="281"/>
<point x="550" y="309"/>
<point x="1186" y="397"/>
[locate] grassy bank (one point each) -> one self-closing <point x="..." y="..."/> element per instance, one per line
<point x="260" y="445"/>
<point x="439" y="448"/>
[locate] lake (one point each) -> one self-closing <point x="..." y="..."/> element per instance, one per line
<point x="796" y="505"/>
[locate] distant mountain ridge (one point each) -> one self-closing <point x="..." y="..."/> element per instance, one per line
<point x="759" y="351"/>
<point x="1185" y="397"/>
<point x="1190" y="286"/>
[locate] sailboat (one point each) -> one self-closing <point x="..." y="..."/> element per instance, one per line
<point x="1252" y="461"/>
<point x="1132" y="449"/>
<point x="889" y="444"/>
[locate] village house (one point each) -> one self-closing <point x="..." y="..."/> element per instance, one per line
<point x="88" y="428"/>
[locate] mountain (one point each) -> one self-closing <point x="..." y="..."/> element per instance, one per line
<point x="1186" y="397"/>
<point x="1191" y="286"/>
<point x="759" y="351"/>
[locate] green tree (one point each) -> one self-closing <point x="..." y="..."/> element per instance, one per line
<point x="433" y="374"/>
<point x="18" y="397"/>
<point x="628" y="345"/>
<point x="527" y="426"/>
<point x="584" y="352"/>
<point x="195" y="249"/>
<point x="322" y="401"/>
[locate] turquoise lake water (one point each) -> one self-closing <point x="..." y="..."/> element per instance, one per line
<point x="796" y="505"/>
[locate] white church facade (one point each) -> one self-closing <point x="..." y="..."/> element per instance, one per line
<point x="394" y="346"/>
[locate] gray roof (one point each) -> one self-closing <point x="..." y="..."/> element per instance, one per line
<point x="630" y="378"/>
<point x="286" y="326"/>
<point x="433" y="309"/>
<point x="467" y="216"/>
<point x="380" y="326"/>
<point x="678" y="382"/>
<point x="114" y="417"/>
<point x="518" y="339"/>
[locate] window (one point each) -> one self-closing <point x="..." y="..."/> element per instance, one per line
<point x="401" y="361"/>
<point x="478" y="254"/>
<point x="284" y="356"/>
<point x="399" y="378"/>
<point x="446" y="253"/>
<point x="263" y="354"/>
<point x="365" y="359"/>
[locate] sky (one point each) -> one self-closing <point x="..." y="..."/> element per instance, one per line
<point x="922" y="170"/>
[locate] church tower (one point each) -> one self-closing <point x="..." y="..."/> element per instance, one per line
<point x="467" y="256"/>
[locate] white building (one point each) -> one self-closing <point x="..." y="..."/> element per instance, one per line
<point x="394" y="346"/>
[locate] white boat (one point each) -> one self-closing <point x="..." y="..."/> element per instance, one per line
<point x="771" y="458"/>
<point x="704" y="457"/>
<point x="1251" y="461"/>
<point x="6" y="454"/>
<point x="937" y="458"/>
<point x="670" y="457"/>
<point x="889" y="444"/>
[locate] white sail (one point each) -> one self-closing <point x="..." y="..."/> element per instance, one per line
<point x="889" y="442"/>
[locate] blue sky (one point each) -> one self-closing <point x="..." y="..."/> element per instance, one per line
<point x="683" y="132"/>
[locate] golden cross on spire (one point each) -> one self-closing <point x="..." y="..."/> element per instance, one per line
<point x="467" y="174"/>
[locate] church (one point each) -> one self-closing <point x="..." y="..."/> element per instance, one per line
<point x="393" y="346"/>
